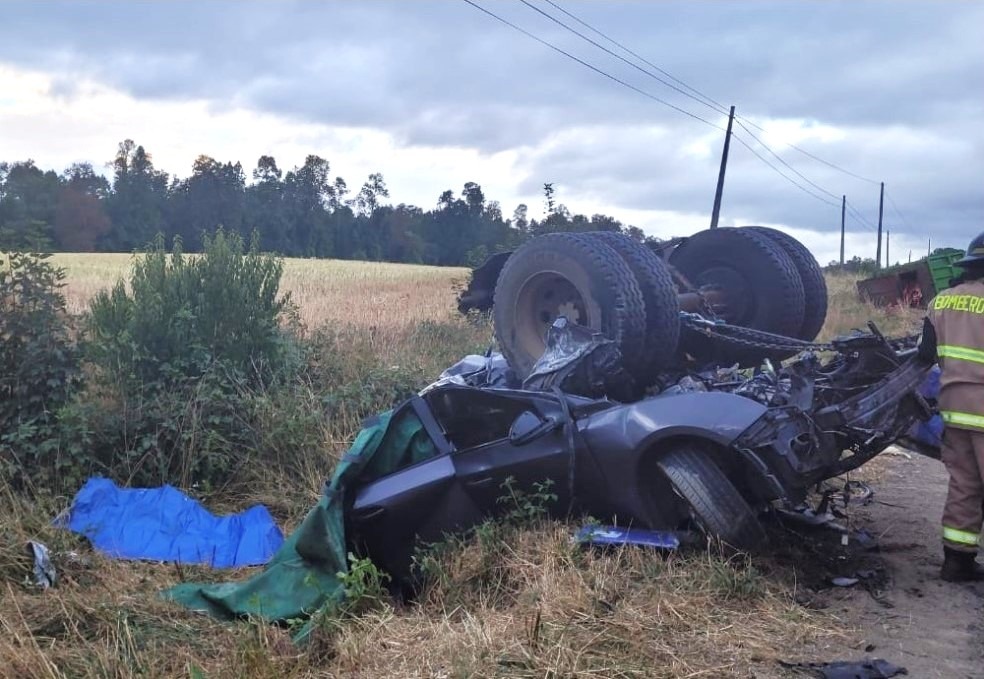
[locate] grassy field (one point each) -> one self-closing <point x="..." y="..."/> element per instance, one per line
<point x="523" y="605"/>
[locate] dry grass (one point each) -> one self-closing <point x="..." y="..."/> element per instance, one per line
<point x="847" y="312"/>
<point x="327" y="291"/>
<point x="563" y="612"/>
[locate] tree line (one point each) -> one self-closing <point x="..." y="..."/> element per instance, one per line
<point x="304" y="212"/>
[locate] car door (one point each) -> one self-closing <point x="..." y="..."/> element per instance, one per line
<point x="418" y="504"/>
<point x="500" y="435"/>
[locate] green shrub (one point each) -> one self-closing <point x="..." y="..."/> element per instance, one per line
<point x="39" y="364"/>
<point x="179" y="355"/>
<point x="183" y="315"/>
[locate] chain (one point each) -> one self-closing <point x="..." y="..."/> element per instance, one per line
<point x="757" y="339"/>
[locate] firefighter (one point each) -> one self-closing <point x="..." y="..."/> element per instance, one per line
<point x="953" y="335"/>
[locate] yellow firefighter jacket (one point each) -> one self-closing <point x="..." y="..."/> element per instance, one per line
<point x="957" y="316"/>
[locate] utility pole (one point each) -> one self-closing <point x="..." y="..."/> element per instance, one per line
<point x="888" y="242"/>
<point x="929" y="246"/>
<point x="843" y="208"/>
<point x="910" y="256"/>
<point x="724" y="164"/>
<point x="881" y="205"/>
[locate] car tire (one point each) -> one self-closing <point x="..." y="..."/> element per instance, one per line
<point x="566" y="274"/>
<point x="659" y="294"/>
<point x="713" y="501"/>
<point x="814" y="282"/>
<point x="763" y="290"/>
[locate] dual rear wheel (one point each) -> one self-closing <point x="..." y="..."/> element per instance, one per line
<point x="755" y="277"/>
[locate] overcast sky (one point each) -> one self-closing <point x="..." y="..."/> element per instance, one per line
<point x="434" y="94"/>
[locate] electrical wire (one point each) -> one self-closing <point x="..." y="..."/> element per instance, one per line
<point x="696" y="95"/>
<point x="792" y="181"/>
<point x="896" y="208"/>
<point x="700" y="98"/>
<point x="716" y="108"/>
<point x="791" y="168"/>
<point x="815" y="157"/>
<point x="720" y="107"/>
<point x="592" y="67"/>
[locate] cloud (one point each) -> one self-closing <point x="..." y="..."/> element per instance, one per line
<point x="434" y="94"/>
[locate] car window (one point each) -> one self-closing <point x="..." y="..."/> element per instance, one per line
<point x="470" y="417"/>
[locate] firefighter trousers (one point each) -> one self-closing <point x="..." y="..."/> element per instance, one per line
<point x="963" y="455"/>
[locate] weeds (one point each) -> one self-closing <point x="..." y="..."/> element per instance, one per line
<point x="515" y="598"/>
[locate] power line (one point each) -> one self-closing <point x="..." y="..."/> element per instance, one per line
<point x="700" y="98"/>
<point x="599" y="71"/>
<point x="592" y="67"/>
<point x="860" y="217"/>
<point x="791" y="168"/>
<point x="895" y="207"/>
<point x="781" y="173"/>
<point x="814" y="157"/>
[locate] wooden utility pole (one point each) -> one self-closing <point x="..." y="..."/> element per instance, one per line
<point x="910" y="256"/>
<point x="929" y="247"/>
<point x="724" y="164"/>
<point x="843" y="208"/>
<point x="881" y="205"/>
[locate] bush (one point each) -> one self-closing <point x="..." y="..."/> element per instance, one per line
<point x="39" y="364"/>
<point x="183" y="316"/>
<point x="180" y="354"/>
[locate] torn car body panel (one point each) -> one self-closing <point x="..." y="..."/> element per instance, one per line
<point x="774" y="434"/>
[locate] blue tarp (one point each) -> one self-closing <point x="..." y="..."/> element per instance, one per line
<point x="164" y="524"/>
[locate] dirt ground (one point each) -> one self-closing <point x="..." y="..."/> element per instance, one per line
<point x="906" y="615"/>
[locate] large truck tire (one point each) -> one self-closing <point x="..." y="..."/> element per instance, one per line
<point x="713" y="501"/>
<point x="659" y="293"/>
<point x="814" y="283"/>
<point x="758" y="281"/>
<point x="566" y="274"/>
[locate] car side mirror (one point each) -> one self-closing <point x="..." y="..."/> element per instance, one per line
<point x="528" y="427"/>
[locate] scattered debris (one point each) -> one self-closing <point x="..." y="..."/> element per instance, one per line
<point x="490" y="370"/>
<point x="844" y="582"/>
<point x="43" y="571"/>
<point x="612" y="536"/>
<point x="845" y="669"/>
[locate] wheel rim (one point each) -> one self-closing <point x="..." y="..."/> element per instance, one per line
<point x="735" y="303"/>
<point x="542" y="298"/>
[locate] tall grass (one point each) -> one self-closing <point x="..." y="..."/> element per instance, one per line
<point x="525" y="604"/>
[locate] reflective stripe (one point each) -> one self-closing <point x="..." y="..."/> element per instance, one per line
<point x="960" y="537"/>
<point x="963" y="419"/>
<point x="960" y="353"/>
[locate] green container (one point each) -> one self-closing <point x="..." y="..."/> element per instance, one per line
<point x="941" y="268"/>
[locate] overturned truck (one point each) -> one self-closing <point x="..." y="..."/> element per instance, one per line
<point x="647" y="384"/>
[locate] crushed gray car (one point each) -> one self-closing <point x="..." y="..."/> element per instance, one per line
<point x="708" y="452"/>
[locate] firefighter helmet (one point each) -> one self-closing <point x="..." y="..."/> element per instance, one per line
<point x="975" y="254"/>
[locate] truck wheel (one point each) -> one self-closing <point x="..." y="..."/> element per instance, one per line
<point x="757" y="284"/>
<point x="714" y="502"/>
<point x="660" y="296"/>
<point x="566" y="274"/>
<point x="814" y="283"/>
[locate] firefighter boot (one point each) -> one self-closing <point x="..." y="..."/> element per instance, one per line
<point x="960" y="566"/>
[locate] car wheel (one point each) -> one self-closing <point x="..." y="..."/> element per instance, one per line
<point x="566" y="274"/>
<point x="659" y="294"/>
<point x="814" y="283"/>
<point x="713" y="501"/>
<point x="757" y="287"/>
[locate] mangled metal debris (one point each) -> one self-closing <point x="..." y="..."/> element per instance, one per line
<point x="845" y="669"/>
<point x="707" y="451"/>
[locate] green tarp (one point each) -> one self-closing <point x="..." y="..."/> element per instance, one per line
<point x="302" y="577"/>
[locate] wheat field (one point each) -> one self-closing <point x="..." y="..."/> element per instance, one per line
<point x="390" y="297"/>
<point x="326" y="291"/>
